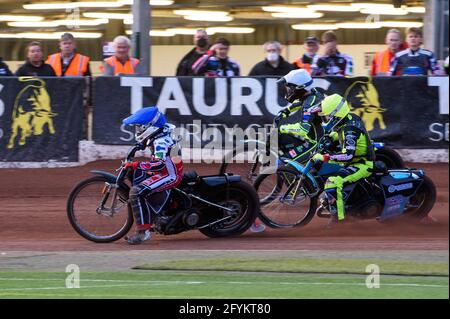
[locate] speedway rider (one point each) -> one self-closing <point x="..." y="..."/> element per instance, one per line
<point x="299" y="91"/>
<point x="152" y="180"/>
<point x="304" y="98"/>
<point x="354" y="151"/>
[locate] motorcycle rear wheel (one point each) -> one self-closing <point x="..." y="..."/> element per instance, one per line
<point x="246" y="162"/>
<point x="422" y="202"/>
<point x="389" y="157"/>
<point x="241" y="197"/>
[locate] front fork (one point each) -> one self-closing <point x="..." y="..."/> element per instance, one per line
<point x="251" y="174"/>
<point x="101" y="209"/>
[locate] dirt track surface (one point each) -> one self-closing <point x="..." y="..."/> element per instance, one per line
<point x="33" y="218"/>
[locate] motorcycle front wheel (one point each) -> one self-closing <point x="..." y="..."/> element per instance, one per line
<point x="284" y="199"/>
<point x="94" y="221"/>
<point x="246" y="162"/>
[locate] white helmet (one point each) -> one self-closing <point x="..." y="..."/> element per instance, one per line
<point x="297" y="83"/>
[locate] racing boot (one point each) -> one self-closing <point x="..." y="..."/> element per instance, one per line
<point x="257" y="227"/>
<point x="139" y="237"/>
<point x="332" y="208"/>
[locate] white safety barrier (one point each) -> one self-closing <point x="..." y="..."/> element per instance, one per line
<point x="90" y="152"/>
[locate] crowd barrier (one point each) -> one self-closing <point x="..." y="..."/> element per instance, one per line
<point x="42" y="120"/>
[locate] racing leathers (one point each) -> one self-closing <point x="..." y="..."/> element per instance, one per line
<point x="355" y="154"/>
<point x="154" y="179"/>
<point x="418" y="62"/>
<point x="296" y="120"/>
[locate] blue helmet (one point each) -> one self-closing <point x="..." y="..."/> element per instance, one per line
<point x="148" y="121"/>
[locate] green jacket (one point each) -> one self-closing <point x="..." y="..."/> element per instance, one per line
<point x="303" y="126"/>
<point x="355" y="144"/>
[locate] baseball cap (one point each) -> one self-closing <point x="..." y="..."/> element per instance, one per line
<point x="311" y="39"/>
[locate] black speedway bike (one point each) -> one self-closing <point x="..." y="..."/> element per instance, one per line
<point x="221" y="205"/>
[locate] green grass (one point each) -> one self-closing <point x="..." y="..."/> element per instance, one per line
<point x="304" y="265"/>
<point x="240" y="278"/>
<point x="216" y="284"/>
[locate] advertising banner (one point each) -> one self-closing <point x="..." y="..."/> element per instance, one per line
<point x="404" y="112"/>
<point x="41" y="119"/>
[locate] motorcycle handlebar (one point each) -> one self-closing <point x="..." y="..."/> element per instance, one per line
<point x="130" y="156"/>
<point x="132" y="152"/>
<point x="309" y="165"/>
<point x="323" y="144"/>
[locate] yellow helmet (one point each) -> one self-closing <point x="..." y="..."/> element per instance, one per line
<point x="334" y="109"/>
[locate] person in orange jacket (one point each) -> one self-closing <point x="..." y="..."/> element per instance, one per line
<point x="120" y="62"/>
<point x="68" y="62"/>
<point x="381" y="62"/>
<point x="311" y="46"/>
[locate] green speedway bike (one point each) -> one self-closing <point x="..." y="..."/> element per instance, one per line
<point x="252" y="157"/>
<point x="292" y="194"/>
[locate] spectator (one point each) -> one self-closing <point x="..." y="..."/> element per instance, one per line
<point x="201" y="42"/>
<point x="34" y="63"/>
<point x="333" y="62"/>
<point x="216" y="61"/>
<point x="274" y="63"/>
<point x="414" y="60"/>
<point x="120" y="62"/>
<point x="68" y="62"/>
<point x="381" y="62"/>
<point x="4" y="70"/>
<point x="311" y="46"/>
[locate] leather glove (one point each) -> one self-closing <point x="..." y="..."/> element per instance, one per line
<point x="321" y="158"/>
<point x="284" y="113"/>
<point x="132" y="165"/>
<point x="334" y="136"/>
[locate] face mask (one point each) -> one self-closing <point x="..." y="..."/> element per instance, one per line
<point x="202" y="42"/>
<point x="272" y="56"/>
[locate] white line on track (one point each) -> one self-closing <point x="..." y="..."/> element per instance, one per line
<point x="61" y="287"/>
<point x="178" y="282"/>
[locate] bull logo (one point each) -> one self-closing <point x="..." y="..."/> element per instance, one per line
<point x="32" y="112"/>
<point x="362" y="97"/>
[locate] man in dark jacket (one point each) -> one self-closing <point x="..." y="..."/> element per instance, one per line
<point x="4" y="70"/>
<point x="332" y="62"/>
<point x="273" y="64"/>
<point x="201" y="43"/>
<point x="34" y="64"/>
<point x="217" y="62"/>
